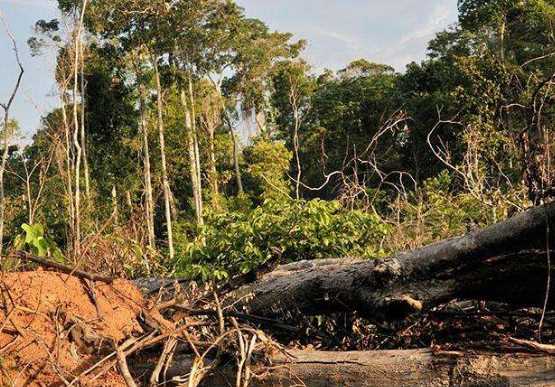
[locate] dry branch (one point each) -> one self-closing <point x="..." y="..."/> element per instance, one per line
<point x="64" y="269"/>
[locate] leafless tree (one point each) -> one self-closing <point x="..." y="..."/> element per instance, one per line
<point x="40" y="166"/>
<point x="6" y="131"/>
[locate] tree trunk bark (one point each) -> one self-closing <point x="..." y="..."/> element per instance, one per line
<point x="6" y="144"/>
<point x="504" y="262"/>
<point x="76" y="130"/>
<point x="213" y="169"/>
<point x="149" y="203"/>
<point x="389" y="368"/>
<point x="238" y="177"/>
<point x="192" y="159"/>
<point x="165" y="181"/>
<point x="83" y="137"/>
<point x="69" y="169"/>
<point x="196" y="148"/>
<point x="194" y="132"/>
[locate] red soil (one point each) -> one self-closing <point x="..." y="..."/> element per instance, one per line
<point x="51" y="329"/>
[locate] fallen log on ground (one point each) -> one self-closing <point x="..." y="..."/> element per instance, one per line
<point x="390" y="368"/>
<point x="504" y="262"/>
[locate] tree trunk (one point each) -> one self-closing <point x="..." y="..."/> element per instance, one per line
<point x="238" y="178"/>
<point x="193" y="122"/>
<point x="69" y="169"/>
<point x="212" y="167"/>
<point x="389" y="368"/>
<point x="83" y="137"/>
<point x="165" y="181"/>
<point x="504" y="262"/>
<point x="149" y="203"/>
<point x="296" y="126"/>
<point x="196" y="147"/>
<point x="76" y="126"/>
<point x="6" y="144"/>
<point x="195" y="182"/>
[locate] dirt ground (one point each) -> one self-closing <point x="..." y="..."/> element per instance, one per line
<point x="55" y="326"/>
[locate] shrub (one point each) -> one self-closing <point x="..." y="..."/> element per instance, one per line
<point x="239" y="242"/>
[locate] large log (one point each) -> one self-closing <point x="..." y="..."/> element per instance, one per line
<point x="504" y="262"/>
<point x="390" y="368"/>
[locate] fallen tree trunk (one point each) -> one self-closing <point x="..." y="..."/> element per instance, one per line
<point x="390" y="368"/>
<point x="504" y="262"/>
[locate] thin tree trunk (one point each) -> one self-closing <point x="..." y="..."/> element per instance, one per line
<point x="6" y="144"/>
<point x="83" y="137"/>
<point x="192" y="158"/>
<point x="236" y="161"/>
<point x="502" y="31"/>
<point x="149" y="203"/>
<point x="29" y="195"/>
<point x="76" y="130"/>
<point x="76" y="126"/>
<point x="212" y="167"/>
<point x="115" y="204"/>
<point x="69" y="169"/>
<point x="165" y="181"/>
<point x="194" y="132"/>
<point x="260" y="118"/>
<point x="297" y="158"/>
<point x="296" y="126"/>
<point x="198" y="169"/>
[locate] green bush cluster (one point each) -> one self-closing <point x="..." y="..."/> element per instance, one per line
<point x="239" y="242"/>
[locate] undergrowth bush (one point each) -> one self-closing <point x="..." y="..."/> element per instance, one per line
<point x="239" y="242"/>
<point x="438" y="211"/>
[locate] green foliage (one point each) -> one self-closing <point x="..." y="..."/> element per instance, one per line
<point x="34" y="240"/>
<point x="268" y="164"/>
<point x="239" y="242"/>
<point x="440" y="210"/>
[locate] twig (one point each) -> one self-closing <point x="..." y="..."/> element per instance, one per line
<point x="547" y="348"/>
<point x="64" y="269"/>
<point x="169" y="348"/>
<point x="122" y="362"/>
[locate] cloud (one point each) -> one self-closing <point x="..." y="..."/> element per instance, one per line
<point x="338" y="31"/>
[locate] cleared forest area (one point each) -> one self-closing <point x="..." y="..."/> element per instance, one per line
<point x="378" y="228"/>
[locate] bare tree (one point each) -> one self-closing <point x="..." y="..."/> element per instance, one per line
<point x="6" y="133"/>
<point x="42" y="166"/>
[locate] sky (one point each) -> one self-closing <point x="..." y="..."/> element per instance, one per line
<point x="394" y="32"/>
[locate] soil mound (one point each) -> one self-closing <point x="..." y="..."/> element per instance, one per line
<point x="55" y="326"/>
